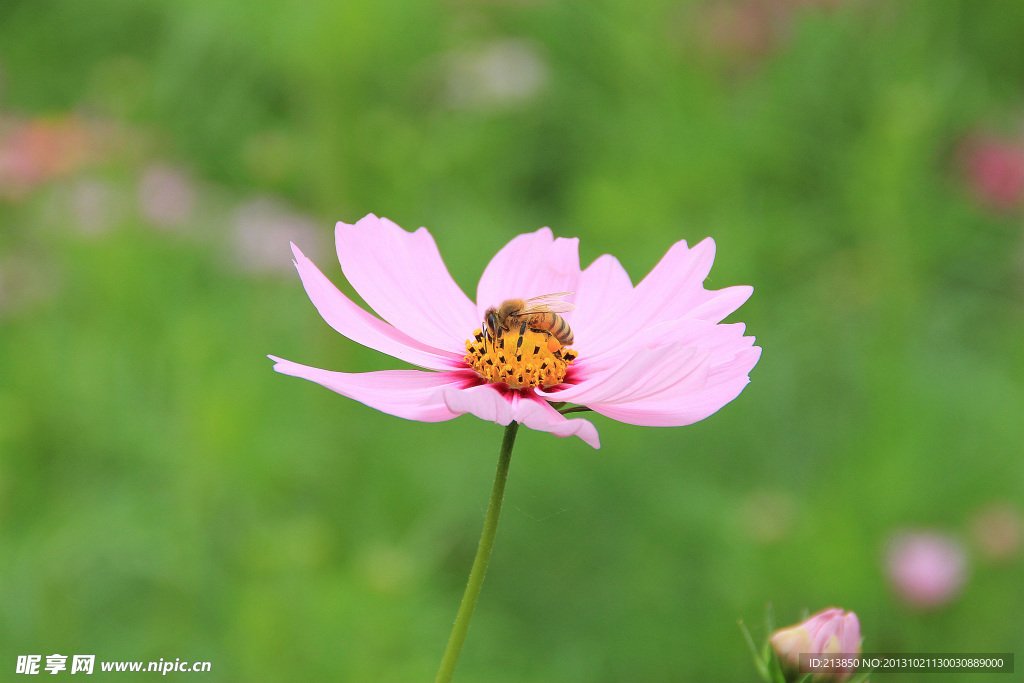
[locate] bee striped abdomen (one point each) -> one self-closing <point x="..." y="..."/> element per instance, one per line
<point x="564" y="332"/>
<point x="553" y="324"/>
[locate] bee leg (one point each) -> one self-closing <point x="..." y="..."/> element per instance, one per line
<point x="522" y="332"/>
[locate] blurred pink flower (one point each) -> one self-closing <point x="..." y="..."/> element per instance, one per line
<point x="95" y="205"/>
<point x="812" y="3"/>
<point x="37" y="150"/>
<point x="742" y="32"/>
<point x="262" y="226"/>
<point x="504" y="73"/>
<point x="166" y="196"/>
<point x="745" y="30"/>
<point x="829" y="632"/>
<point x="925" y="568"/>
<point x="654" y="354"/>
<point x="995" y="171"/>
<point x="997" y="530"/>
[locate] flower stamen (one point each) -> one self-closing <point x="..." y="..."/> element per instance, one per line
<point x="521" y="358"/>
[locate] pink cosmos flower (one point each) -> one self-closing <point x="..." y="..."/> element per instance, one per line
<point x="995" y="171"/>
<point x="829" y="632"/>
<point x="655" y="354"/>
<point x="925" y="568"/>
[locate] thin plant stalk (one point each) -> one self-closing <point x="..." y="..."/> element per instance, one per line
<point x="483" y="556"/>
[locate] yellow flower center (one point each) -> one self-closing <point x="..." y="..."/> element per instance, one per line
<point x="535" y="359"/>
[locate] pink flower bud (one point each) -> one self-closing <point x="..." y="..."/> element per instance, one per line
<point x="829" y="632"/>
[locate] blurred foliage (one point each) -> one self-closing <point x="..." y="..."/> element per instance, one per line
<point x="164" y="494"/>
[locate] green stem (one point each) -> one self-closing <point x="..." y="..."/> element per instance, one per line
<point x="483" y="556"/>
<point x="575" y="409"/>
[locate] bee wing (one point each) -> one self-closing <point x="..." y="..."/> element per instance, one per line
<point x="547" y="303"/>
<point x="556" y="307"/>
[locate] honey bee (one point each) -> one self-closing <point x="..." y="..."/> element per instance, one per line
<point x="539" y="313"/>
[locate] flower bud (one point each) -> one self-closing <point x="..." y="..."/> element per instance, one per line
<point x="829" y="632"/>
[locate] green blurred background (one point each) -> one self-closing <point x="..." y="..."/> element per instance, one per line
<point x="163" y="493"/>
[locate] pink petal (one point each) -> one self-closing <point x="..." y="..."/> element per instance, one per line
<point x="484" y="401"/>
<point x="670" y="374"/>
<point x="529" y="265"/>
<point x="355" y="323"/>
<point x="542" y="417"/>
<point x="718" y="303"/>
<point x="665" y="294"/>
<point x="845" y="629"/>
<point x="412" y="394"/>
<point x="402" y="277"/>
<point x="724" y="340"/>
<point x="674" y="289"/>
<point x="603" y="287"/>
<point x="684" y="404"/>
<point x="488" y="403"/>
<point x="674" y="285"/>
<point x="641" y="374"/>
